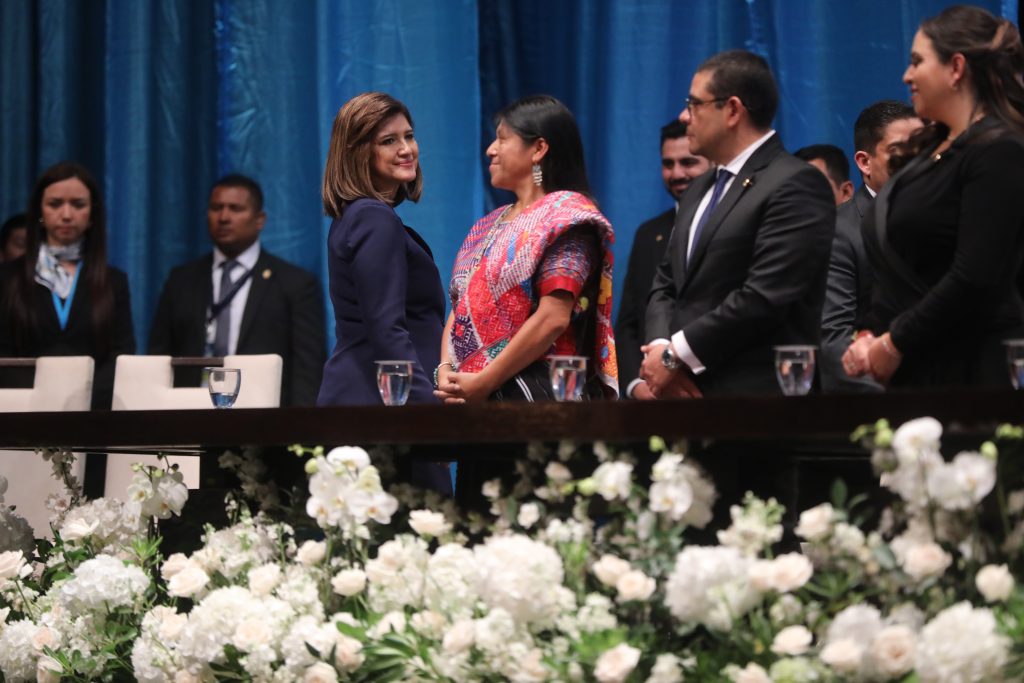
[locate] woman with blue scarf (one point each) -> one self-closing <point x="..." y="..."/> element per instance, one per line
<point x="61" y="298"/>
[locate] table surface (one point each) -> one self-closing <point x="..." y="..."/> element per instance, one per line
<point x="773" y="417"/>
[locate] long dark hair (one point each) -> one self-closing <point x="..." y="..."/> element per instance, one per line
<point x="994" y="57"/>
<point x="18" y="301"/>
<point x="543" y="116"/>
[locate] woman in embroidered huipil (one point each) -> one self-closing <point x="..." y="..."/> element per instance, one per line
<point x="533" y="278"/>
<point x="61" y="298"/>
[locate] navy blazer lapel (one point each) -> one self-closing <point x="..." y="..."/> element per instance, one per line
<point x="743" y="180"/>
<point x="261" y="276"/>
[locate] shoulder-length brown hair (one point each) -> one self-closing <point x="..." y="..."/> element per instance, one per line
<point x="347" y="175"/>
<point x="17" y="303"/>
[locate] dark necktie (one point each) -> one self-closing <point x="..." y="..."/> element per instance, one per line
<point x="716" y="195"/>
<point x="223" y="335"/>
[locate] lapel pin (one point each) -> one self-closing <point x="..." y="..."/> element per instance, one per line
<point x="659" y="238"/>
<point x="748" y="182"/>
<point x="266" y="274"/>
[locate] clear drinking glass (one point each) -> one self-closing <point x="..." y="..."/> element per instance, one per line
<point x="1015" y="361"/>
<point x="224" y="384"/>
<point x="394" y="380"/>
<point x="568" y="375"/>
<point x="794" y="368"/>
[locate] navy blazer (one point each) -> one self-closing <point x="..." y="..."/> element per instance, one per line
<point x="388" y="304"/>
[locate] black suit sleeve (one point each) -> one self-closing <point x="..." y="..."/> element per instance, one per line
<point x="791" y="243"/>
<point x="630" y="321"/>
<point x="662" y="298"/>
<point x="161" y="333"/>
<point x="987" y="254"/>
<point x="308" y="342"/>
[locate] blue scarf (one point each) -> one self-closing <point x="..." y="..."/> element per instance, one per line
<point x="49" y="272"/>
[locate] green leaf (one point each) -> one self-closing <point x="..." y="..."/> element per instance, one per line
<point x="839" y="494"/>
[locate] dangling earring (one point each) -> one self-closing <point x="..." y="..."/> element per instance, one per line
<point x="538" y="175"/>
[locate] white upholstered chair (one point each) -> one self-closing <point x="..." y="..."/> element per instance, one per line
<point x="62" y="383"/>
<point x="147" y="383"/>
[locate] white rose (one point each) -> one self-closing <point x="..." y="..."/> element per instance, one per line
<point x="816" y="523"/>
<point x="751" y="673"/>
<point x="174" y="564"/>
<point x="48" y="670"/>
<point x="894" y="650"/>
<point x="428" y="523"/>
<point x="321" y="672"/>
<point x="43" y="637"/>
<point x="348" y="582"/>
<point x="994" y="582"/>
<point x="171" y="626"/>
<point x="635" y="585"/>
<point x="187" y="582"/>
<point x="528" y="515"/>
<point x="185" y="677"/>
<point x="348" y="653"/>
<point x="925" y="560"/>
<point x="459" y="637"/>
<point x="11" y="562"/>
<point x="264" y="579"/>
<point x="784" y="574"/>
<point x="311" y="553"/>
<point x="491" y="489"/>
<point x="616" y="664"/>
<point x="250" y="634"/>
<point x="843" y="655"/>
<point x="557" y="472"/>
<point x="76" y="529"/>
<point x="609" y="569"/>
<point x="792" y="640"/>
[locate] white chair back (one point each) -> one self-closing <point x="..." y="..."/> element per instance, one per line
<point x="62" y="383"/>
<point x="147" y="383"/>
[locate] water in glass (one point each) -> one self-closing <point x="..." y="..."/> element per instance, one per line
<point x="224" y="384"/>
<point x="568" y="376"/>
<point x="794" y="369"/>
<point x="394" y="381"/>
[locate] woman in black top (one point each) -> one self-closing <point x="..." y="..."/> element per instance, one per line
<point x="61" y="298"/>
<point x="946" y="235"/>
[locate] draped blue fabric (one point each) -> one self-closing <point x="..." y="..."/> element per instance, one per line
<point x="160" y="98"/>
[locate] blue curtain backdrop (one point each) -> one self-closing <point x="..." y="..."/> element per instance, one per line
<point x="160" y="98"/>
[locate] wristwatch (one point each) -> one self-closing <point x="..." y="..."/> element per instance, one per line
<point x="669" y="358"/>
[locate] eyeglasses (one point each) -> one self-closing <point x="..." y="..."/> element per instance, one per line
<point x="694" y="102"/>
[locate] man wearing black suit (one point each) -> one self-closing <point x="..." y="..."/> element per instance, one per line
<point x="263" y="304"/>
<point x="747" y="260"/>
<point x="876" y="134"/>
<point x="678" y="168"/>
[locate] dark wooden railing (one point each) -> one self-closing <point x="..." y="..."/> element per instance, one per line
<point x="760" y="418"/>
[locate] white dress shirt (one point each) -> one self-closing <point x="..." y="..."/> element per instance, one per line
<point x="245" y="262"/>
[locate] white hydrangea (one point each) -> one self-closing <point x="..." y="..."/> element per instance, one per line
<point x="396" y="575"/>
<point x="451" y="579"/>
<point x="103" y="583"/>
<point x="238" y="548"/>
<point x="521" y="576"/>
<point x="299" y="589"/>
<point x="18" y="657"/>
<point x="667" y="669"/>
<point x="755" y="526"/>
<point x="155" y="656"/>
<point x="709" y="585"/>
<point x="961" y="643"/>
<point x="305" y="632"/>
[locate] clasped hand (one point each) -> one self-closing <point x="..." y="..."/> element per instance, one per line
<point x="461" y="387"/>
<point x="662" y="382"/>
<point x="868" y="355"/>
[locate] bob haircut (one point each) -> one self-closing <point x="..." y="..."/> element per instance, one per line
<point x="347" y="175"/>
<point x="543" y="116"/>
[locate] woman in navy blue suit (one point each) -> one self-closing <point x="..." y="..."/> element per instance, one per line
<point x="384" y="285"/>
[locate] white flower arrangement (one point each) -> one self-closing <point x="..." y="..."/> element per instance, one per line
<point x="368" y="589"/>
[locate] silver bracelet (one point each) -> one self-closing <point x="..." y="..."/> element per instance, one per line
<point x="438" y="369"/>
